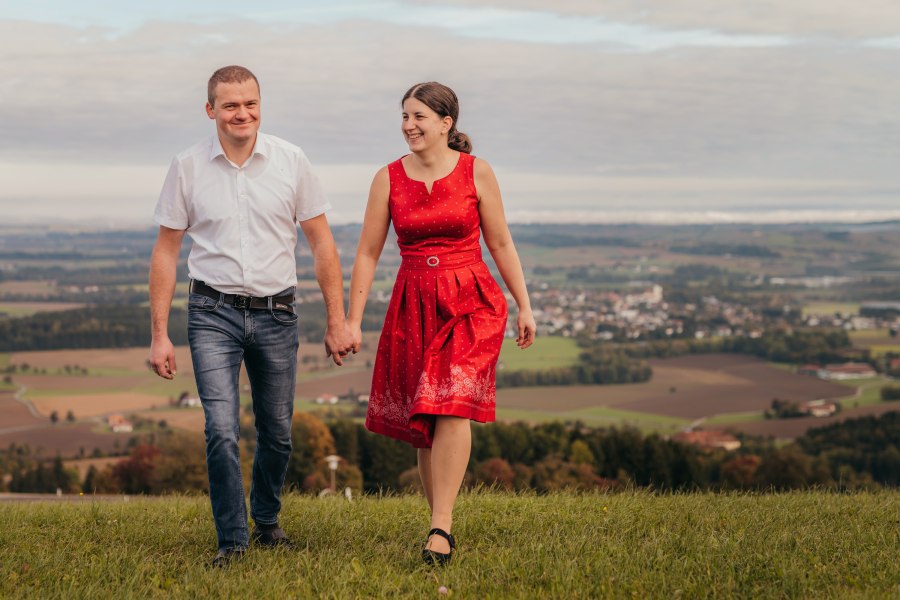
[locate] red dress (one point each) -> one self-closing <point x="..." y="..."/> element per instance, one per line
<point x="441" y="339"/>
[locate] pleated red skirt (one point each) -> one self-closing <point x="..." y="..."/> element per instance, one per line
<point x="438" y="351"/>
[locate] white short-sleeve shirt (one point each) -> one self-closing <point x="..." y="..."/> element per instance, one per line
<point x="242" y="218"/>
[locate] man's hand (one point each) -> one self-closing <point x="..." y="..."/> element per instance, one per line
<point x="338" y="342"/>
<point x="162" y="358"/>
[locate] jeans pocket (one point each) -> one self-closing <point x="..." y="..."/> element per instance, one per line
<point x="284" y="317"/>
<point x="199" y="302"/>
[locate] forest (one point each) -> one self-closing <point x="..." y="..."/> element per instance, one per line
<point x="853" y="454"/>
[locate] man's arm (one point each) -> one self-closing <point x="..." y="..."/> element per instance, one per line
<point x="163" y="265"/>
<point x="328" y="273"/>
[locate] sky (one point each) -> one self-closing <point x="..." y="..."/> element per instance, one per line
<point x="657" y="111"/>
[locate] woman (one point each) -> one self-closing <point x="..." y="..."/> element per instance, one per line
<point x="437" y="356"/>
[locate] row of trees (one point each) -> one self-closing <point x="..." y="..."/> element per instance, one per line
<point x="600" y="366"/>
<point x="605" y="363"/>
<point x="855" y="453"/>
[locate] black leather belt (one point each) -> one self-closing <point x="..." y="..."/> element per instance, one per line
<point x="282" y="302"/>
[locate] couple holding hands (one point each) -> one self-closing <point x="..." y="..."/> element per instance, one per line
<point x="239" y="195"/>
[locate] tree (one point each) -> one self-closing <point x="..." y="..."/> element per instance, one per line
<point x="580" y="453"/>
<point x="312" y="442"/>
<point x="789" y="468"/>
<point x="180" y="465"/>
<point x="134" y="475"/>
<point x="346" y="439"/>
<point x="382" y="460"/>
<point x="89" y="485"/>
<point x="495" y="471"/>
<point x="740" y="472"/>
<point x="64" y="479"/>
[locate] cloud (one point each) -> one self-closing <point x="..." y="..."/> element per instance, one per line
<point x="111" y="107"/>
<point x="848" y="19"/>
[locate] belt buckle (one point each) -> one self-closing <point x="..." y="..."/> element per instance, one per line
<point x="241" y="302"/>
<point x="432" y="261"/>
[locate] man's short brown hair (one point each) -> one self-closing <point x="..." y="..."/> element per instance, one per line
<point x="229" y="74"/>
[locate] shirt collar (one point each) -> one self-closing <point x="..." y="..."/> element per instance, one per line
<point x="261" y="147"/>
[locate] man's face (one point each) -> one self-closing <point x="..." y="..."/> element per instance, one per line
<point x="236" y="111"/>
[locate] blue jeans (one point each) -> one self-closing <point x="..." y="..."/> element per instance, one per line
<point x="266" y="340"/>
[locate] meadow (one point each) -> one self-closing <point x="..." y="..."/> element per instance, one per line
<point x="810" y="544"/>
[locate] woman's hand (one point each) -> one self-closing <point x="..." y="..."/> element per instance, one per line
<point x="355" y="336"/>
<point x="527" y="328"/>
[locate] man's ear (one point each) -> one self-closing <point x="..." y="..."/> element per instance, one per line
<point x="209" y="111"/>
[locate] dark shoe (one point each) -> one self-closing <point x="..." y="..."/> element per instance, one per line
<point x="438" y="558"/>
<point x="226" y="556"/>
<point x="271" y="538"/>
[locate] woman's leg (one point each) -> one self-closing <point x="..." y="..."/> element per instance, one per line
<point x="449" y="459"/>
<point x="424" y="462"/>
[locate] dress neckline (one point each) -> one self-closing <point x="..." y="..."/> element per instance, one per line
<point x="427" y="191"/>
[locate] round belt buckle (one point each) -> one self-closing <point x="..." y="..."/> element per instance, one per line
<point x="432" y="261"/>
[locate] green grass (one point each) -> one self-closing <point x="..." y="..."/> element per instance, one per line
<point x="863" y="335"/>
<point x="15" y="311"/>
<point x="598" y="416"/>
<point x="869" y="392"/>
<point x="546" y="353"/>
<point x="626" y="545"/>
<point x="737" y="417"/>
<point x="877" y="350"/>
<point x="830" y="308"/>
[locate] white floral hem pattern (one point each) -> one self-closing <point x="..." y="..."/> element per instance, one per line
<point x="464" y="387"/>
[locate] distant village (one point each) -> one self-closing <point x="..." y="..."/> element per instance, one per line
<point x="645" y="314"/>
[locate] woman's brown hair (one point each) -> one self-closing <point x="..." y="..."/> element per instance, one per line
<point x="442" y="100"/>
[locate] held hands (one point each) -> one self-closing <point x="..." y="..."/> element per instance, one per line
<point x="162" y="358"/>
<point x="527" y="329"/>
<point x="339" y="342"/>
<point x="355" y="336"/>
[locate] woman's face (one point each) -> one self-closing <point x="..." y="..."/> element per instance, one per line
<point x="422" y="127"/>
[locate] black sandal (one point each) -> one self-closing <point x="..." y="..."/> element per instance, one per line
<point x="438" y="558"/>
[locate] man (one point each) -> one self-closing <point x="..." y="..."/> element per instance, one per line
<point x="239" y="195"/>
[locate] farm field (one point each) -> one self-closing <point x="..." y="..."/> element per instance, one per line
<point x="831" y="308"/>
<point x="550" y="353"/>
<point x="65" y="439"/>
<point x="13" y="288"/>
<point x="721" y="390"/>
<point x="24" y="309"/>
<point x="15" y="414"/>
<point x="704" y="385"/>
<point x="791" y="428"/>
<point x="877" y="341"/>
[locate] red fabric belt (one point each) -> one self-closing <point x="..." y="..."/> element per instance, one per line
<point x="447" y="260"/>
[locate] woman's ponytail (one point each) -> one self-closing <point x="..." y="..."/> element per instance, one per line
<point x="459" y="141"/>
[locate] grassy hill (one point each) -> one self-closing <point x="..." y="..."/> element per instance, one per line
<point x="631" y="544"/>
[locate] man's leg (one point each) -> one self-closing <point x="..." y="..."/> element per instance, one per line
<point x="216" y="334"/>
<point x="271" y="362"/>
